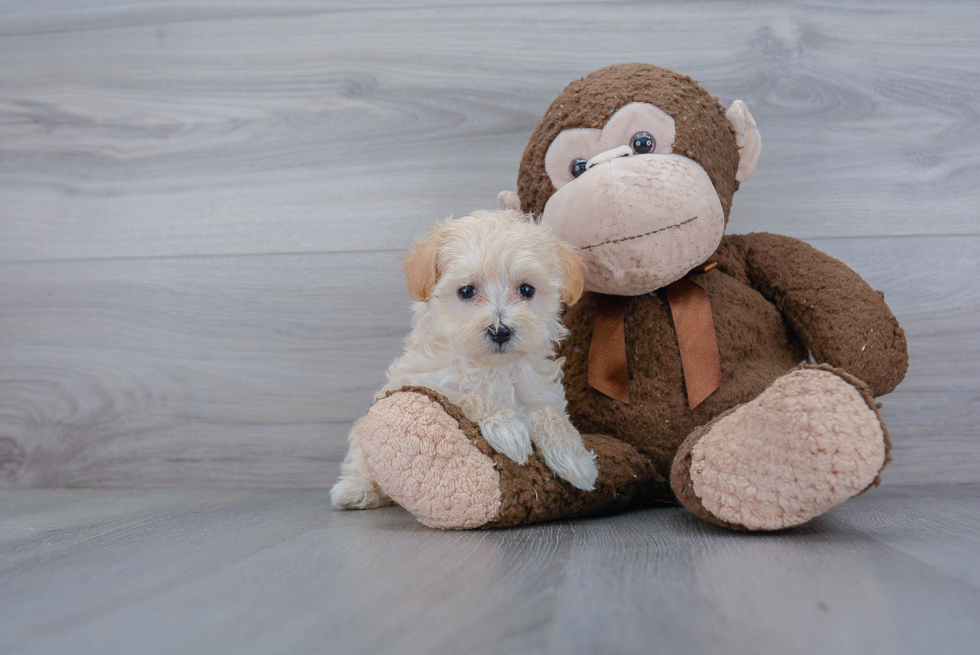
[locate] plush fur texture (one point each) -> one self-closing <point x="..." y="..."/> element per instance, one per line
<point x="511" y="389"/>
<point x="427" y="460"/>
<point x="758" y="343"/>
<point x="435" y="463"/>
<point x="807" y="443"/>
<point x="667" y="220"/>
<point x="775" y="444"/>
<point x="642" y="219"/>
<point x="840" y="318"/>
<point x="703" y="132"/>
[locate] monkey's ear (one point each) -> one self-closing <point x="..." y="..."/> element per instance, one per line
<point x="572" y="273"/>
<point x="422" y="264"/>
<point x="747" y="138"/>
<point x="509" y="200"/>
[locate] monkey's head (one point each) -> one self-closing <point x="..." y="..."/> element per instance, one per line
<point x="636" y="166"/>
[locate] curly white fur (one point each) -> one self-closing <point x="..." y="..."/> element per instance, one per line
<point x="512" y="390"/>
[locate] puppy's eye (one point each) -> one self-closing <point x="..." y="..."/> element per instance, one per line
<point x="526" y="291"/>
<point x="643" y="143"/>
<point x="467" y="292"/>
<point x="577" y="167"/>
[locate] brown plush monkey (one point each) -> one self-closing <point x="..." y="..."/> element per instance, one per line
<point x="735" y="374"/>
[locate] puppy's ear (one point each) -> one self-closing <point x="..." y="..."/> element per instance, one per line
<point x="572" y="273"/>
<point x="421" y="264"/>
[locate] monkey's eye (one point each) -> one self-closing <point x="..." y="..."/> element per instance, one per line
<point x="643" y="143"/>
<point x="577" y="167"/>
<point x="466" y="293"/>
<point x="526" y="291"/>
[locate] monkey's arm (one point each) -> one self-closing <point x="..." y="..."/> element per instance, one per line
<point x="841" y="319"/>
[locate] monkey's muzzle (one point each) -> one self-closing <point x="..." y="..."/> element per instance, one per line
<point x="641" y="221"/>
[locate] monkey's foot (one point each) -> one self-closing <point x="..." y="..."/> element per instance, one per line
<point x="425" y="454"/>
<point x="806" y="444"/>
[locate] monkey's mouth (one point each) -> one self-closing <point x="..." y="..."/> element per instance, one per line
<point x="640" y="236"/>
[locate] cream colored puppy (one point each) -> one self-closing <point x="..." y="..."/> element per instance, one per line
<point x="489" y="289"/>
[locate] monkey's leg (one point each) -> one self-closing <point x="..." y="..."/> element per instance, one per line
<point x="809" y="442"/>
<point x="432" y="461"/>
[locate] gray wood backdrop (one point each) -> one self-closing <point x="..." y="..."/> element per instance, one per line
<point x="203" y="205"/>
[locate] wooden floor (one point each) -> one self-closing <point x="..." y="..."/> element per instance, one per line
<point x="264" y="571"/>
<point x="203" y="206"/>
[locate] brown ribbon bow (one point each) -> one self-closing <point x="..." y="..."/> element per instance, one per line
<point x="695" y="328"/>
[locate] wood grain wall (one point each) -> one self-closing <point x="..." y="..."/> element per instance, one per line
<point x="202" y="205"/>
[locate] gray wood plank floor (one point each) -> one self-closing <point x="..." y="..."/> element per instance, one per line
<point x="202" y="205"/>
<point x="264" y="571"/>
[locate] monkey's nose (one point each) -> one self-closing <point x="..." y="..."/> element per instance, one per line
<point x="615" y="153"/>
<point x="499" y="335"/>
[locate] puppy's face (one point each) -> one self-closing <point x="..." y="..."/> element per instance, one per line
<point x="495" y="282"/>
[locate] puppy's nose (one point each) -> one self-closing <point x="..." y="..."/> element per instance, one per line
<point x="500" y="334"/>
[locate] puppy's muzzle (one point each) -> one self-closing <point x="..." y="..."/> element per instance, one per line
<point x="499" y="335"/>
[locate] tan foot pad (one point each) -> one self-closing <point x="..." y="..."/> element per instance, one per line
<point x="423" y="459"/>
<point x="806" y="444"/>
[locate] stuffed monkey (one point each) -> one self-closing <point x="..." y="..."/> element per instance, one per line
<point x="734" y="374"/>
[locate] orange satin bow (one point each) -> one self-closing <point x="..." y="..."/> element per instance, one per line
<point x="695" y="328"/>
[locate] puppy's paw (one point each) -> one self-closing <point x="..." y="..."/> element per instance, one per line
<point x="560" y="444"/>
<point x="352" y="492"/>
<point x="572" y="462"/>
<point x="507" y="435"/>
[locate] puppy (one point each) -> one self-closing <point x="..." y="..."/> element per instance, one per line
<point x="489" y="289"/>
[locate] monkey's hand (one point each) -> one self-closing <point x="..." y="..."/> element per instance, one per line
<point x="841" y="319"/>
